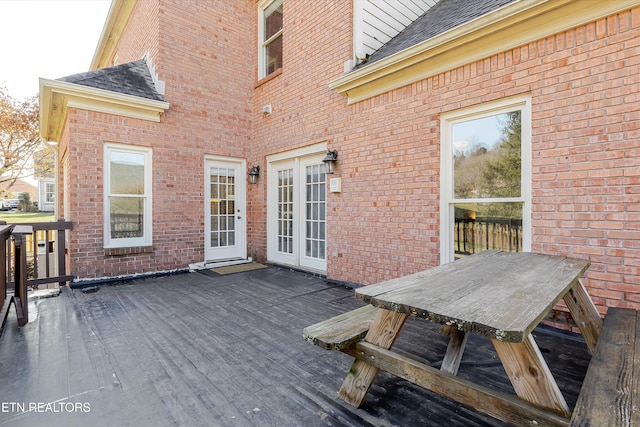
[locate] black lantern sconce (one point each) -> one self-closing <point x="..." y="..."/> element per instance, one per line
<point x="330" y="160"/>
<point x="253" y="174"/>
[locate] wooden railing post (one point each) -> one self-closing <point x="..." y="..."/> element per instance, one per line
<point x="5" y="242"/>
<point x="14" y="265"/>
<point x="3" y="267"/>
<point x="21" y="299"/>
<point x="61" y="251"/>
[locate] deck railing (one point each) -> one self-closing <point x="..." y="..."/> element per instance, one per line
<point x="33" y="255"/>
<point x="5" y="299"/>
<point x="479" y="234"/>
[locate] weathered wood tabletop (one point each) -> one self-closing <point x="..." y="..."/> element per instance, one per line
<point x="502" y="295"/>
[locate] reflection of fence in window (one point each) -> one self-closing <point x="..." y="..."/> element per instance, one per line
<point x="126" y="225"/>
<point x="476" y="235"/>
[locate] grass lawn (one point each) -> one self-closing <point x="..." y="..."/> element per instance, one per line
<point x="16" y="217"/>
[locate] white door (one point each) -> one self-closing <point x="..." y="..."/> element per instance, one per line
<point x="225" y="222"/>
<point x="297" y="213"/>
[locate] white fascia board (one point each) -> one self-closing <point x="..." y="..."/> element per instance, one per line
<point x="56" y="97"/>
<point x="508" y="27"/>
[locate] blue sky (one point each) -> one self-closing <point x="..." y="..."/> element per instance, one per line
<point x="485" y="130"/>
<point x="47" y="38"/>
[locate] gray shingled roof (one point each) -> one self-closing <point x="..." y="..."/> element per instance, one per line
<point x="444" y="16"/>
<point x="132" y="78"/>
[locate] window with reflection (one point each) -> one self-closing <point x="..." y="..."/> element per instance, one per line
<point x="270" y="29"/>
<point x="486" y="189"/>
<point x="49" y="192"/>
<point x="127" y="196"/>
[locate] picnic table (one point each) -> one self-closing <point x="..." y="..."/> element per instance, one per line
<point x="498" y="294"/>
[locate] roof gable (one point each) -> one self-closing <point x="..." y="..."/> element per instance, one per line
<point x="127" y="90"/>
<point x="376" y="22"/>
<point x="443" y="16"/>
<point x="515" y="23"/>
<point x="132" y="78"/>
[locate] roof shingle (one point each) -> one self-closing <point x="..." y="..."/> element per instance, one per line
<point x="132" y="78"/>
<point x="444" y="16"/>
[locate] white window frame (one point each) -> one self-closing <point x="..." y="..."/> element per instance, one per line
<point x="447" y="201"/>
<point x="262" y="43"/>
<point x="49" y="195"/>
<point x="147" y="238"/>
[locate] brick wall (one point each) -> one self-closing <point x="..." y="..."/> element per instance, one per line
<point x="584" y="88"/>
<point x="208" y="85"/>
<point x="585" y="118"/>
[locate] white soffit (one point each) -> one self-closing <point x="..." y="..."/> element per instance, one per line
<point x="56" y="96"/>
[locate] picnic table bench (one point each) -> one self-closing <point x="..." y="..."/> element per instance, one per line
<point x="609" y="393"/>
<point x="497" y="294"/>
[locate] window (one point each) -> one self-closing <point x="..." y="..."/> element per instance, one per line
<point x="270" y="37"/>
<point x="486" y="179"/>
<point x="127" y="196"/>
<point x="49" y="192"/>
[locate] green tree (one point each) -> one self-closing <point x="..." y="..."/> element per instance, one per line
<point x="25" y="202"/>
<point x="502" y="173"/>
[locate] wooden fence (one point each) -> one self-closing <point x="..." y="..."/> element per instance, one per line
<point x="476" y="235"/>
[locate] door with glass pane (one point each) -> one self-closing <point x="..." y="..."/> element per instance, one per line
<point x="297" y="213"/>
<point x="313" y="236"/>
<point x="225" y="226"/>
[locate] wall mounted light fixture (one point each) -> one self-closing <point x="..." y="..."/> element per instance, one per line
<point x="253" y="174"/>
<point x="330" y="160"/>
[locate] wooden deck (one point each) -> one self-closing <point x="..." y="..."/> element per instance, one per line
<point x="199" y="349"/>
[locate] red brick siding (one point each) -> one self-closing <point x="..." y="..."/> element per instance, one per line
<point x="584" y="89"/>
<point x="197" y="51"/>
<point x="586" y="157"/>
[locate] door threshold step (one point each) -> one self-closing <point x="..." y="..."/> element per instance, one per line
<point x="220" y="263"/>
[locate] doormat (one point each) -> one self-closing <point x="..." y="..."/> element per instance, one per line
<point x="238" y="268"/>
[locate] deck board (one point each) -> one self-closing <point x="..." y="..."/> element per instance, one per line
<point x="193" y="349"/>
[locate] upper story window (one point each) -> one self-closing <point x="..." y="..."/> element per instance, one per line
<point x="127" y="196"/>
<point x="270" y="37"/>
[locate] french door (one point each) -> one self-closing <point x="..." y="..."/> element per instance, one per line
<point x="225" y="223"/>
<point x="297" y="213"/>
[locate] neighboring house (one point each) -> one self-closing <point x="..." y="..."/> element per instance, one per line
<point x="46" y="194"/>
<point x="21" y="186"/>
<point x="459" y="125"/>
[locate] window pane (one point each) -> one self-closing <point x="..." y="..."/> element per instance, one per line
<point x="484" y="226"/>
<point x="487" y="157"/>
<point x="126" y="217"/>
<point x="272" y="19"/>
<point x="126" y="172"/>
<point x="285" y="211"/>
<point x="50" y="192"/>
<point x="273" y="55"/>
